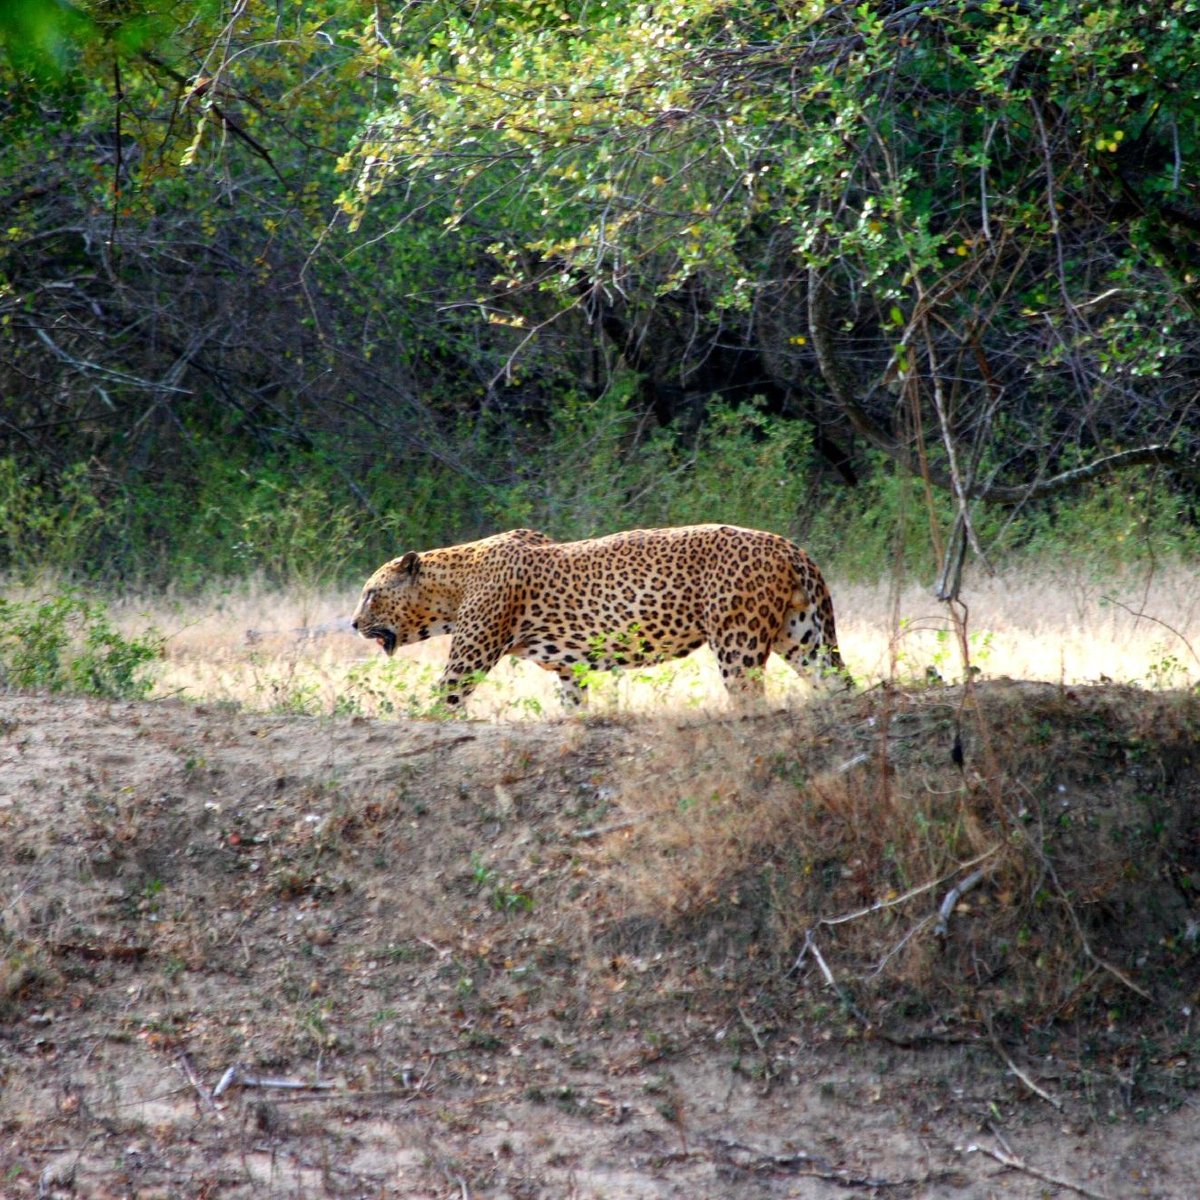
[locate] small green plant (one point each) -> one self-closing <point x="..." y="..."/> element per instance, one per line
<point x="980" y="645"/>
<point x="504" y="897"/>
<point x="529" y="705"/>
<point x="66" y="643"/>
<point x="379" y="686"/>
<point x="1166" y="671"/>
<point x="296" y="698"/>
<point x="481" y="874"/>
<point x="979" y="649"/>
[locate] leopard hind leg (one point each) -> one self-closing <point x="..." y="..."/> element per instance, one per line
<point x="807" y="642"/>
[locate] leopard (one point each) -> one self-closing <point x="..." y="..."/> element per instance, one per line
<point x="638" y="597"/>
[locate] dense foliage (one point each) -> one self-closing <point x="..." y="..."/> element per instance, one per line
<point x="276" y="277"/>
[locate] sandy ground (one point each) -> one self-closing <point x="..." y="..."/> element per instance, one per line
<point x="387" y="942"/>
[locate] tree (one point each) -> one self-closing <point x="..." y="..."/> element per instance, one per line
<point x="967" y="233"/>
<point x="169" y="281"/>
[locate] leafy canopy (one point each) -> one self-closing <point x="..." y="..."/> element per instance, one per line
<point x="617" y="140"/>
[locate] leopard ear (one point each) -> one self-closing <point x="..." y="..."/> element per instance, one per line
<point x="409" y="564"/>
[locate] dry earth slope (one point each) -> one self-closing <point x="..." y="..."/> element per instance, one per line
<point x="275" y="956"/>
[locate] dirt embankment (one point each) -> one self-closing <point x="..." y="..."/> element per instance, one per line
<point x="929" y="945"/>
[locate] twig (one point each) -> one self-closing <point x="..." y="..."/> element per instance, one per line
<point x="1138" y="615"/>
<point x="887" y="958"/>
<point x="768" y="1075"/>
<point x="753" y="1031"/>
<point x="1012" y="1066"/>
<point x="105" y="372"/>
<point x="467" y="737"/>
<point x="286" y="1085"/>
<point x="1018" y="1164"/>
<point x="799" y="1163"/>
<point x="1105" y="965"/>
<point x="225" y="1081"/>
<point x="879" y="905"/>
<point x="1065" y="901"/>
<point x="952" y="897"/>
<point x="810" y="947"/>
<point x="601" y="830"/>
<point x="206" y="1100"/>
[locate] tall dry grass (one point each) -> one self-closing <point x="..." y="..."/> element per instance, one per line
<point x="263" y="649"/>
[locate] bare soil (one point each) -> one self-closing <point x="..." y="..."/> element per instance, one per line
<point x="248" y="955"/>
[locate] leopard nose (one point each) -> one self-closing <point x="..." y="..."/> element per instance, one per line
<point x="354" y="624"/>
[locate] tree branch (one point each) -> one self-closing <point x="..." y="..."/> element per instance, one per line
<point x="837" y="379"/>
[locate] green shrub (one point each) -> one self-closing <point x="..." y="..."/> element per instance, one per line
<point x="230" y="519"/>
<point x="1131" y="519"/>
<point x="47" y="528"/>
<point x="65" y="643"/>
<point x="598" y="470"/>
<point x="328" y="514"/>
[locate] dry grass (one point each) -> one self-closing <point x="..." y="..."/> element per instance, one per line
<point x="726" y="824"/>
<point x="295" y="653"/>
<point x="793" y="823"/>
<point x="841" y="832"/>
<point x="1071" y="626"/>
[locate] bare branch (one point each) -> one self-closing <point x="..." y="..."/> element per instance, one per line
<point x="837" y="379"/>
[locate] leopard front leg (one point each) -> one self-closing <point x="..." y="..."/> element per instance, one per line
<point x="478" y="643"/>
<point x="463" y="674"/>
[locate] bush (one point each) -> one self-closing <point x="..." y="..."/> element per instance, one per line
<point x="66" y="644"/>
<point x="597" y="471"/>
<point x="47" y="529"/>
<point x="327" y="515"/>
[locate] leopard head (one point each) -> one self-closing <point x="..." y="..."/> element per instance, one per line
<point x="399" y="604"/>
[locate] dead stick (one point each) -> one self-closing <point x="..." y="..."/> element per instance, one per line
<point x="753" y="1032"/>
<point x="287" y="1085"/>
<point x="227" y="1080"/>
<point x="206" y="1100"/>
<point x="237" y="1074"/>
<point x="601" y="830"/>
<point x="810" y="947"/>
<point x="1018" y="1164"/>
<point x="429" y="746"/>
<point x="880" y="905"/>
<point x="1012" y="1066"/>
<point x="953" y="896"/>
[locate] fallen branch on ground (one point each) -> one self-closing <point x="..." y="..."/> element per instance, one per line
<point x="1021" y="1075"/>
<point x="880" y="905"/>
<point x="600" y="830"/>
<point x="238" y="1075"/>
<point x="953" y="896"/>
<point x="1005" y="1159"/>
<point x="800" y="1163"/>
<point x="189" y="1072"/>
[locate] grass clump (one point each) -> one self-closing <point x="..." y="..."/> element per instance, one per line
<point x="1049" y="869"/>
<point x="66" y="643"/>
